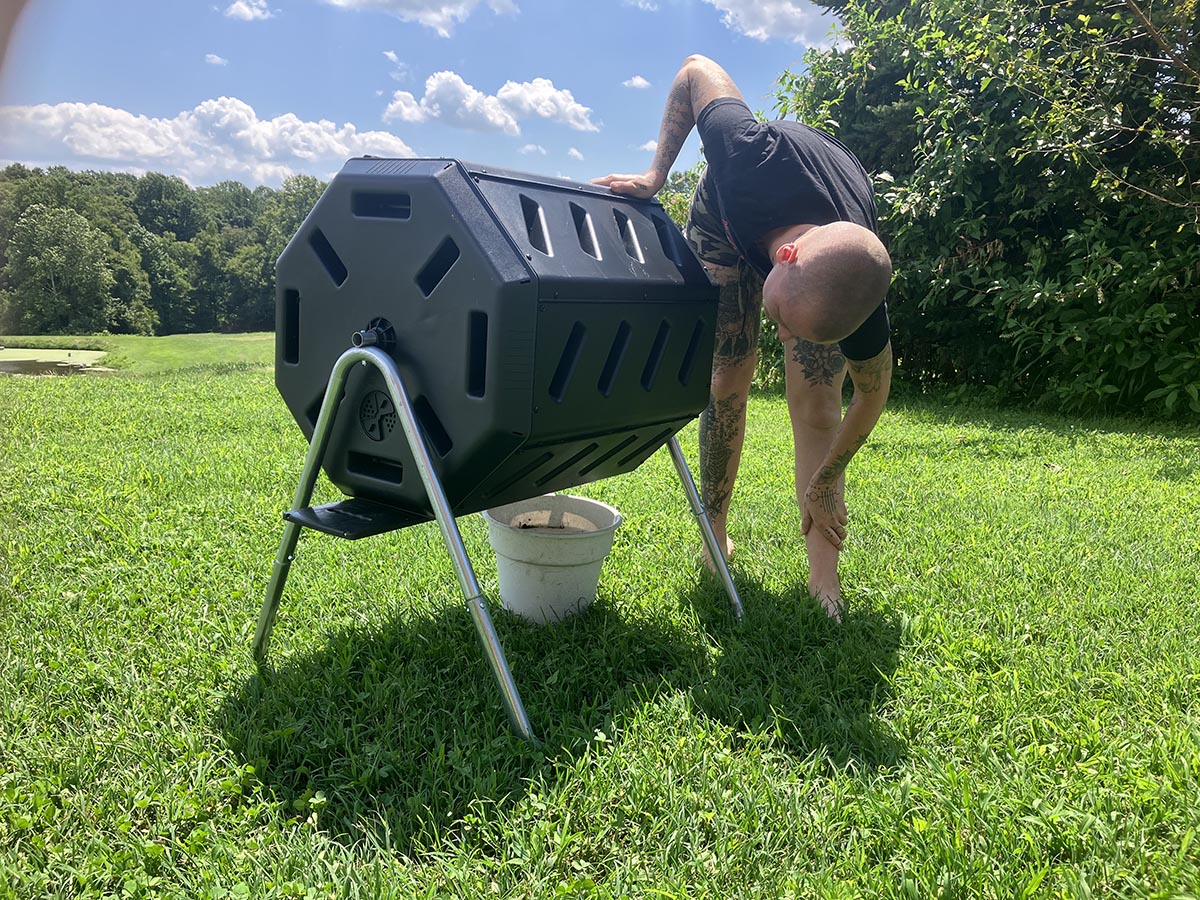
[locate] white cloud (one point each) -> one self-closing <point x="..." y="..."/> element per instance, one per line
<point x="449" y="99"/>
<point x="637" y="81"/>
<point x="799" y="21"/>
<point x="644" y="5"/>
<point x="219" y="139"/>
<point x="248" y="10"/>
<point x="213" y="60"/>
<point x="440" y="15"/>
<point x="649" y="146"/>
<point x="574" y="154"/>
<point x="540" y="98"/>
<point x="400" y="70"/>
<point x="452" y="100"/>
<point x="533" y="148"/>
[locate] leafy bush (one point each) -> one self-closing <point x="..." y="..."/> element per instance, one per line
<point x="1036" y="169"/>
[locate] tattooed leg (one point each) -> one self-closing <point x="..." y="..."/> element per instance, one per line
<point x="723" y="423"/>
<point x="815" y="374"/>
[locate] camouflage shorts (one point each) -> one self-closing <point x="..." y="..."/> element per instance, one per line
<point x="741" y="300"/>
<point x="704" y="229"/>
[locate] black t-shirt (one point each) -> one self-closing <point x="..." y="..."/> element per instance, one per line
<point x="771" y="174"/>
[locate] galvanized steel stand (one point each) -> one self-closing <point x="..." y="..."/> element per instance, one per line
<point x="367" y="355"/>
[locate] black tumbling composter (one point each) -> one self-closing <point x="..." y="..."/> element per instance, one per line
<point x="551" y="334"/>
<point x="453" y="337"/>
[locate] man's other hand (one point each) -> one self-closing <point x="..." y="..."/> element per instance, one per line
<point x="825" y="511"/>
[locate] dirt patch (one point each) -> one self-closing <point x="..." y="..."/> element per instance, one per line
<point x="23" y="361"/>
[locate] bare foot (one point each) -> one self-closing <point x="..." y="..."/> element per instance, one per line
<point x="834" y="606"/>
<point x="708" y="563"/>
<point x="828" y="592"/>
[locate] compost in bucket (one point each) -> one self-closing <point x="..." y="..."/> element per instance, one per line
<point x="549" y="553"/>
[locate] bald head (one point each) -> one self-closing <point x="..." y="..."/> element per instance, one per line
<point x="825" y="283"/>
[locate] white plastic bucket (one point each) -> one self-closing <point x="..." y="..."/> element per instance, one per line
<point x="549" y="552"/>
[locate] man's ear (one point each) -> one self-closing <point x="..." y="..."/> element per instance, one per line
<point x="787" y="253"/>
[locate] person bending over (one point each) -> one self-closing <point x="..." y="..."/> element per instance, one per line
<point x="784" y="218"/>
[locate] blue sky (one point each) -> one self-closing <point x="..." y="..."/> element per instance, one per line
<point x="255" y="90"/>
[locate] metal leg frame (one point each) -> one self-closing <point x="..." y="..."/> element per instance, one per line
<point x="441" y="510"/>
<point x="716" y="552"/>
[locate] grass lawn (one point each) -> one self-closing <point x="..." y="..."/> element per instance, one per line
<point x="1010" y="709"/>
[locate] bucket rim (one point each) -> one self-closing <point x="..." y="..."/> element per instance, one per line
<point x="618" y="518"/>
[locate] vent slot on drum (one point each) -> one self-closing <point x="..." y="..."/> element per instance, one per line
<point x="535" y="225"/>
<point x="567" y="363"/>
<point x="574" y="460"/>
<point x="629" y="236"/>
<point x="291" y="327"/>
<point x="689" y="355"/>
<point x="615" y="355"/>
<point x="667" y="237"/>
<point x="435" y="431"/>
<point x="439" y="264"/>
<point x="477" y="336"/>
<point x="328" y="256"/>
<point x="370" y="205"/>
<point x="654" y="360"/>
<point x="607" y="455"/>
<point x="374" y="467"/>
<point x="585" y="231"/>
<point x="643" y="448"/>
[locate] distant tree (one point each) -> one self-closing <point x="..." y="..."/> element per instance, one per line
<point x="168" y="264"/>
<point x="166" y="203"/>
<point x="250" y="303"/>
<point x="231" y="203"/>
<point x="57" y="276"/>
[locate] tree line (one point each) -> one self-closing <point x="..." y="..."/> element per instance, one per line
<point x="1037" y="167"/>
<point x="88" y="252"/>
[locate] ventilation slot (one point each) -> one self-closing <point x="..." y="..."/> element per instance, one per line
<point x="368" y="205"/>
<point x="558" y="470"/>
<point x="523" y="472"/>
<point x="615" y="355"/>
<point x="644" y="447"/>
<point x="439" y="264"/>
<point x="535" y="225"/>
<point x="650" y="372"/>
<point x="374" y="467"/>
<point x="608" y="455"/>
<point x="435" y="431"/>
<point x="328" y="256"/>
<point x="585" y="231"/>
<point x="567" y="363"/>
<point x="629" y="237"/>
<point x="668" y="237"/>
<point x="291" y="327"/>
<point x="477" y="327"/>
<point x="689" y="355"/>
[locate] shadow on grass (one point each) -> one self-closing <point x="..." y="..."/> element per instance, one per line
<point x="789" y="670"/>
<point x="392" y="736"/>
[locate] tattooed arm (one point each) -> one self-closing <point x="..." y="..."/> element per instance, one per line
<point x="824" y="505"/>
<point x="698" y="82"/>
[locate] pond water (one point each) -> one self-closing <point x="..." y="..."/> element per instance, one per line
<point x="20" y="361"/>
